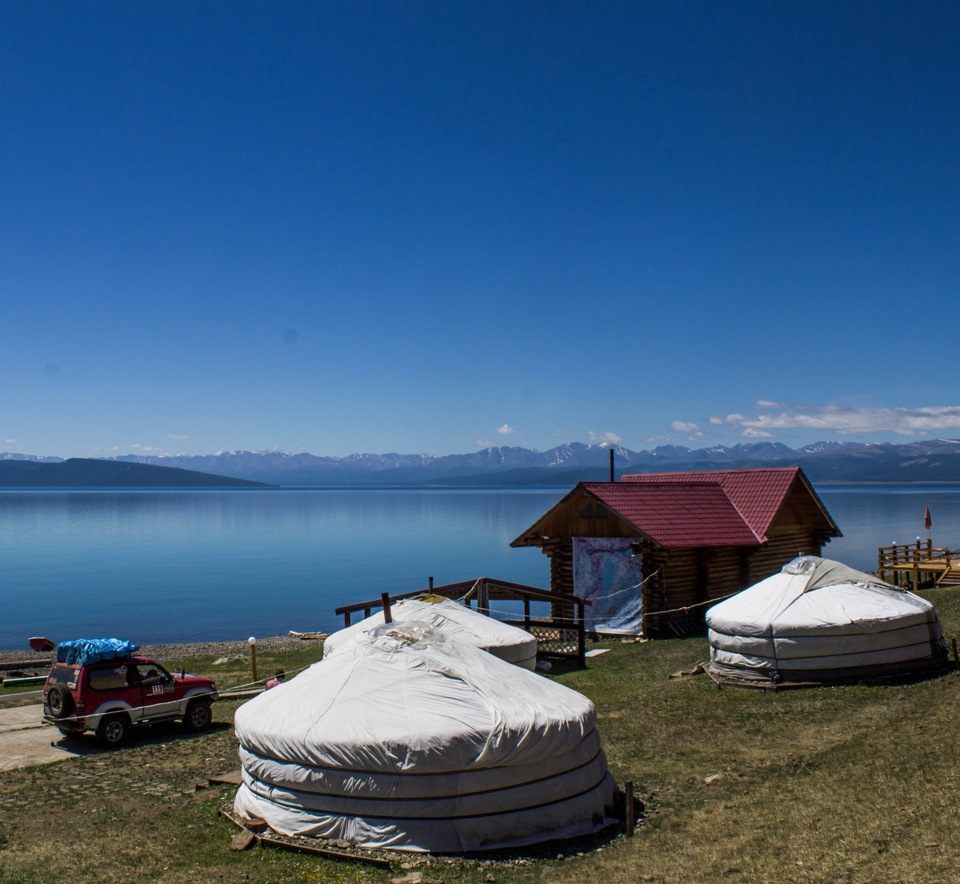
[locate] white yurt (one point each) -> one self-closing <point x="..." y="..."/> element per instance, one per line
<point x="818" y="620"/>
<point x="458" y="623"/>
<point x="409" y="741"/>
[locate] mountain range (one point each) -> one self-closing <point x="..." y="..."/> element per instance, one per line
<point x="936" y="460"/>
<point x="79" y="472"/>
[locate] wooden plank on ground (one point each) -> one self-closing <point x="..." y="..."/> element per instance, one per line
<point x="231" y="778"/>
<point x="326" y="852"/>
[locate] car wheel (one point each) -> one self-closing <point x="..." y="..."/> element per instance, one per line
<point x="199" y="715"/>
<point x="59" y="701"/>
<point x="112" y="730"/>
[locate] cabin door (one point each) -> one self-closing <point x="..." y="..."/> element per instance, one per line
<point x="606" y="572"/>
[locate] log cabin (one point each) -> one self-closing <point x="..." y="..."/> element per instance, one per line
<point x="691" y="538"/>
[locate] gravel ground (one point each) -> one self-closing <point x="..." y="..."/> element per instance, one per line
<point x="272" y="644"/>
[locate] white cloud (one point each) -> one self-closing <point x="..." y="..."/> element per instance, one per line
<point x="730" y="419"/>
<point x="692" y="431"/>
<point x="842" y="419"/>
<point x="485" y="443"/>
<point x="604" y="438"/>
<point x="177" y="437"/>
<point x="506" y="430"/>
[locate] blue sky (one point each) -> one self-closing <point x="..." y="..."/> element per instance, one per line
<point x="432" y="226"/>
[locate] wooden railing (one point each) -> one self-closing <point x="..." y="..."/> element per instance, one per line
<point x="916" y="563"/>
<point x="909" y="553"/>
<point x="560" y="637"/>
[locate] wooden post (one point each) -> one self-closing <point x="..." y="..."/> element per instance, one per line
<point x="628" y="819"/>
<point x="385" y="599"/>
<point x="581" y="635"/>
<point x="253" y="658"/>
<point x="483" y="599"/>
<point x="956" y="659"/>
<point x="526" y="611"/>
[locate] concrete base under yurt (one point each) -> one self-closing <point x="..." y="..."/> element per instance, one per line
<point x="406" y="740"/>
<point x="818" y="621"/>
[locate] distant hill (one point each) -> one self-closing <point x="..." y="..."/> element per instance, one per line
<point x="936" y="460"/>
<point x="86" y="473"/>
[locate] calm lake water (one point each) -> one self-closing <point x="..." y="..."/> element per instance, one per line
<point x="158" y="566"/>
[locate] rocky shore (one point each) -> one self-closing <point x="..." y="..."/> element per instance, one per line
<point x="174" y="652"/>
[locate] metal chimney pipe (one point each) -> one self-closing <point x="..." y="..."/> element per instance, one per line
<point x="611" y="465"/>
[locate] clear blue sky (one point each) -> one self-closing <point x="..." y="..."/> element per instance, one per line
<point x="431" y="226"/>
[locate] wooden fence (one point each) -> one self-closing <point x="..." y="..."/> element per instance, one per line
<point x="556" y="636"/>
<point x="918" y="564"/>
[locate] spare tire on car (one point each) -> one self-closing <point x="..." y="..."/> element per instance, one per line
<point x="59" y="701"/>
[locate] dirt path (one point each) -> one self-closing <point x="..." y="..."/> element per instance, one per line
<point x="26" y="739"/>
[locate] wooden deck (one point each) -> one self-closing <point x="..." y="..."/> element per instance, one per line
<point x="918" y="565"/>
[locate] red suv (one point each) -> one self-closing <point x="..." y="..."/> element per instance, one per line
<point x="111" y="696"/>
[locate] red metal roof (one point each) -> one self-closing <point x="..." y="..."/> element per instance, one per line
<point x="754" y="496"/>
<point x="677" y="514"/>
<point x="702" y="508"/>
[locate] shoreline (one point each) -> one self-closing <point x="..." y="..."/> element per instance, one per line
<point x="175" y="651"/>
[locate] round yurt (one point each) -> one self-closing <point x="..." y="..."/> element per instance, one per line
<point x="410" y="741"/>
<point x="819" y="621"/>
<point x="457" y="622"/>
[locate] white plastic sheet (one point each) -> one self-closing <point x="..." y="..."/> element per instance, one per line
<point x="457" y="622"/>
<point x="819" y="616"/>
<point x="405" y="739"/>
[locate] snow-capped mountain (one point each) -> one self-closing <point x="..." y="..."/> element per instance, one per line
<point x="931" y="460"/>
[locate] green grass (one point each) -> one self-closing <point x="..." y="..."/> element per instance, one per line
<point x="239" y="672"/>
<point x="855" y="783"/>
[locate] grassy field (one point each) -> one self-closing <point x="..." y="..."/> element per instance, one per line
<point x="852" y="784"/>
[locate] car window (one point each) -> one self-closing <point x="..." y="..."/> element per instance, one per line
<point x="108" y="679"/>
<point x="153" y="674"/>
<point x="61" y="673"/>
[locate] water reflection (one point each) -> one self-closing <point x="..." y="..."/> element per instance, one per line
<point x="192" y="565"/>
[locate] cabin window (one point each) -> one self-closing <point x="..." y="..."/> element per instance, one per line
<point x="587" y="511"/>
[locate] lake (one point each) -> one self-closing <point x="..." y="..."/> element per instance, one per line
<point x="172" y="566"/>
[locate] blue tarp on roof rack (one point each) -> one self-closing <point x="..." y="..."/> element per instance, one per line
<point x="84" y="651"/>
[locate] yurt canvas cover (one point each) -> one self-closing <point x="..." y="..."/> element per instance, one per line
<point x="818" y="620"/>
<point x="412" y="742"/>
<point x="458" y="623"/>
